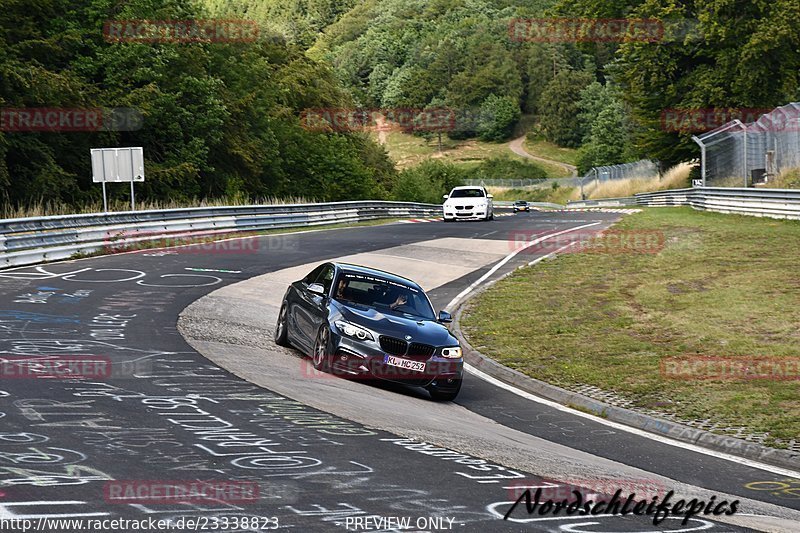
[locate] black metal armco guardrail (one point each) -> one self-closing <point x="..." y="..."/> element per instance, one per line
<point x="773" y="203"/>
<point x="604" y="202"/>
<point x="25" y="241"/>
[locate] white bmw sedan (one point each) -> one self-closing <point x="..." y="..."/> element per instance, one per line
<point x="468" y="203"/>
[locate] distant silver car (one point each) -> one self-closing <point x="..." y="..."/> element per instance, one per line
<point x="521" y="205"/>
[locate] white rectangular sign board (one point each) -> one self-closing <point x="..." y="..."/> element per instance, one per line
<point x="115" y="165"/>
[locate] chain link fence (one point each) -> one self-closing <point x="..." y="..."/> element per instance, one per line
<point x="739" y="154"/>
<point x="523" y="183"/>
<point x="642" y="169"/>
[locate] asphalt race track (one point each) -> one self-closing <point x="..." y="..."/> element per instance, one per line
<point x="325" y="454"/>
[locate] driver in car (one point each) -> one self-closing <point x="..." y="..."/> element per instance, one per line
<point x="400" y="301"/>
<point x="340" y="289"/>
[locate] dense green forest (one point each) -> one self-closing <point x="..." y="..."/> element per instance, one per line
<point x="223" y="118"/>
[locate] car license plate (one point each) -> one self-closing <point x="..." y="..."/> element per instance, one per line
<point x="408" y="364"/>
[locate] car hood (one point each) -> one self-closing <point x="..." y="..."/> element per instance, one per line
<point x="421" y="330"/>
<point x="466" y="201"/>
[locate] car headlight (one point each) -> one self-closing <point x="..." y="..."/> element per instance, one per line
<point x="351" y="330"/>
<point x="454" y="352"/>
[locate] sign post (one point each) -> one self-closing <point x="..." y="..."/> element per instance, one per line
<point x="117" y="165"/>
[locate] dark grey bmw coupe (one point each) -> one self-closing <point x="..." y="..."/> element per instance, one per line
<point x="360" y="322"/>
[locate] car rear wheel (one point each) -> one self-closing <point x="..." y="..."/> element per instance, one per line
<point x="319" y="357"/>
<point x="444" y="395"/>
<point x="281" y="337"/>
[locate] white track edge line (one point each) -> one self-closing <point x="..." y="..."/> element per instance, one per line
<point x="508" y="258"/>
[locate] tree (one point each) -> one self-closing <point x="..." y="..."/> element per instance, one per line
<point x="218" y="118"/>
<point x="498" y="115"/>
<point x="559" y="107"/>
<point x="737" y="55"/>
<point x="544" y="61"/>
<point x="427" y="182"/>
<point x="594" y="98"/>
<point x="608" y="140"/>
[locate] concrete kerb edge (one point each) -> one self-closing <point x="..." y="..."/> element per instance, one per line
<point x="641" y="421"/>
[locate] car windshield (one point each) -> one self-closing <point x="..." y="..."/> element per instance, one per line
<point x="466" y="193"/>
<point x="382" y="294"/>
<point x="521" y="202"/>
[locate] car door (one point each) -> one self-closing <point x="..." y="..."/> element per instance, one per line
<point x="311" y="309"/>
<point x="296" y="316"/>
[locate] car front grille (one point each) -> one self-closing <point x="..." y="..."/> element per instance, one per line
<point x="417" y="349"/>
<point x="392" y="345"/>
<point x="414" y="350"/>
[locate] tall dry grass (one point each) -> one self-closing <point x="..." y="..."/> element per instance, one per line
<point x="43" y="207"/>
<point x="676" y="177"/>
<point x="788" y="179"/>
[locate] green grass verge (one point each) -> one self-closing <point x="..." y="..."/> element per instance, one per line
<point x="538" y="146"/>
<point x="410" y="150"/>
<point x="559" y="195"/>
<point x="723" y="285"/>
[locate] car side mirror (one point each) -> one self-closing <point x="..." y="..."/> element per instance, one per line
<point x="445" y="196"/>
<point x="445" y="317"/>
<point x="316" y="288"/>
<point x="490" y="196"/>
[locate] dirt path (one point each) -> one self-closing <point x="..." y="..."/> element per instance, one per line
<point x="383" y="128"/>
<point x="517" y="148"/>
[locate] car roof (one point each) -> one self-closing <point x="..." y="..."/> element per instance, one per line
<point x="467" y="187"/>
<point x="360" y="269"/>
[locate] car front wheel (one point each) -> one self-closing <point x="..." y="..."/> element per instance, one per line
<point x="281" y="337"/>
<point x="319" y="357"/>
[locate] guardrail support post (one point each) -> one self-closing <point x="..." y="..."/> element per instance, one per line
<point x="702" y="158"/>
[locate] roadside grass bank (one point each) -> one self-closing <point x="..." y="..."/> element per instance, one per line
<point x="408" y="150"/>
<point x="537" y="145"/>
<point x="552" y="170"/>
<point x="788" y="179"/>
<point x="43" y="208"/>
<point x="558" y="195"/>
<point x="723" y="286"/>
